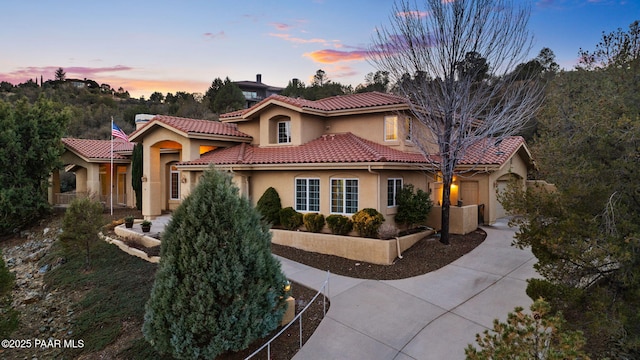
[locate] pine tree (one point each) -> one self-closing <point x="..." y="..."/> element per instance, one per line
<point x="218" y="288"/>
<point x="269" y="205"/>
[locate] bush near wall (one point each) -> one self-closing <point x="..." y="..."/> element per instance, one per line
<point x="367" y="221"/>
<point x="313" y="222"/>
<point x="290" y="219"/>
<point x="339" y="224"/>
<point x="269" y="206"/>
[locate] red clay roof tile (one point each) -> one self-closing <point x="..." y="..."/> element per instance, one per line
<point x="349" y="148"/>
<point x="196" y="126"/>
<point x="334" y="103"/>
<point x="332" y="148"/>
<point x="97" y="149"/>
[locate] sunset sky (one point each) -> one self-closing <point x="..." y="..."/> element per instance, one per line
<point x="170" y="46"/>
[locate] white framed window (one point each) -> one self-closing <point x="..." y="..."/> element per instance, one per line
<point x="284" y="132"/>
<point x="344" y="196"/>
<point x="408" y="128"/>
<point x="391" y="128"/>
<point x="394" y="185"/>
<point x="174" y="183"/>
<point x="308" y="195"/>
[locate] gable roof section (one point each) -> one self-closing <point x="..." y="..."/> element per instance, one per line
<point x="333" y="148"/>
<point x="489" y="152"/>
<point x="349" y="148"/>
<point x="96" y="150"/>
<point x="191" y="127"/>
<point x="334" y="105"/>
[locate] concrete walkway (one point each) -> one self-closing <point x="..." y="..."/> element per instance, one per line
<point x="432" y="316"/>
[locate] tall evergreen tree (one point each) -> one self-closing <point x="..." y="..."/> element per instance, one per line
<point x="136" y="174"/>
<point x="218" y="288"/>
<point x="228" y="98"/>
<point x="30" y="150"/>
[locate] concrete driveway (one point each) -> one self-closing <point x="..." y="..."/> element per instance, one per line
<point x="432" y="316"/>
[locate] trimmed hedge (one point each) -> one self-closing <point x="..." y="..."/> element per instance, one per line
<point x="290" y="219"/>
<point x="339" y="224"/>
<point x="367" y="221"/>
<point x="313" y="222"/>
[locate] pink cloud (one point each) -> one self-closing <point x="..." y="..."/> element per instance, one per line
<point x="281" y="26"/>
<point x="297" y="40"/>
<point x="48" y="72"/>
<point x="329" y="56"/>
<point x="211" y="36"/>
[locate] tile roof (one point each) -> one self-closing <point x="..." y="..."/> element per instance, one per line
<point x="196" y="126"/>
<point x="97" y="149"/>
<point x="347" y="148"/>
<point x="490" y="151"/>
<point x="330" y="104"/>
<point x="332" y="148"/>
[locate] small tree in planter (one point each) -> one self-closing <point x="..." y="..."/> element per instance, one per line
<point x="146" y="225"/>
<point x="339" y="224"/>
<point x="367" y="221"/>
<point x="413" y="207"/>
<point x="217" y="287"/>
<point x="128" y="221"/>
<point x="269" y="206"/>
<point x="313" y="222"/>
<point x="290" y="219"/>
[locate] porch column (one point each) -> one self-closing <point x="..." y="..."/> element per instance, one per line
<point x="152" y="187"/>
<point x="93" y="180"/>
<point x="54" y="186"/>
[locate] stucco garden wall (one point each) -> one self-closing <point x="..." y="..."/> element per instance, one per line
<point x="462" y="219"/>
<point x="375" y="251"/>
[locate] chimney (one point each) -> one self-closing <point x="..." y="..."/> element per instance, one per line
<point x="259" y="78"/>
<point x="142" y="119"/>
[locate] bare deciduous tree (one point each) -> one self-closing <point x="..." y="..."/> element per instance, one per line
<point x="454" y="61"/>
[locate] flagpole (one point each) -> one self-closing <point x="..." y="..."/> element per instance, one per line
<point x="111" y="185"/>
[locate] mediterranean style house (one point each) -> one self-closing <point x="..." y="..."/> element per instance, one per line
<point x="331" y="156"/>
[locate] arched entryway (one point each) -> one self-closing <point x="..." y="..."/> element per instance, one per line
<point x="157" y="192"/>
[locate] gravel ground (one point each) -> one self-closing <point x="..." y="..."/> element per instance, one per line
<point x="426" y="255"/>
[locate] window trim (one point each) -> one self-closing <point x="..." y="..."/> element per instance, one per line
<point x="173" y="171"/>
<point x="392" y="199"/>
<point x="307" y="193"/>
<point x="287" y="131"/>
<point x="394" y="126"/>
<point x="408" y="128"/>
<point x="343" y="189"/>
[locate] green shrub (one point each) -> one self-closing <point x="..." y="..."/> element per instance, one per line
<point x="217" y="288"/>
<point x="8" y="315"/>
<point x="535" y="334"/>
<point x="269" y="206"/>
<point x="81" y="223"/>
<point x="290" y="219"/>
<point x="413" y="208"/>
<point x="313" y="222"/>
<point x="339" y="224"/>
<point x="367" y="221"/>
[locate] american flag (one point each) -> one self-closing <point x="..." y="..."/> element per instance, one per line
<point x="117" y="132"/>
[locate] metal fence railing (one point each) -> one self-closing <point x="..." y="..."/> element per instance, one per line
<point x="324" y="290"/>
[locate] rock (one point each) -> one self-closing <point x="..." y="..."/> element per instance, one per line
<point x="36" y="256"/>
<point x="44" y="269"/>
<point x="45" y="231"/>
<point x="31" y="298"/>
